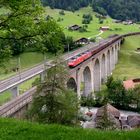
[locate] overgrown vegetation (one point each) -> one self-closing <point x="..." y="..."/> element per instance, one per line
<point x="13" y="129"/>
<point x="53" y="102"/>
<point x="115" y="94"/>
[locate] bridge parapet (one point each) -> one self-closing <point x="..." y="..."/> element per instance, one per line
<point x="16" y="104"/>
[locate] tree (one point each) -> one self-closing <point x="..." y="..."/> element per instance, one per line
<point x="136" y="96"/>
<point x="117" y="93"/>
<point x="23" y="25"/>
<point x="53" y="102"/>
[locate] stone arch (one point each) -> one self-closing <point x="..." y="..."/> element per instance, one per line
<point x="87" y="81"/>
<point x="103" y="68"/>
<point x="108" y="63"/>
<point x="71" y="84"/>
<point x="97" y="75"/>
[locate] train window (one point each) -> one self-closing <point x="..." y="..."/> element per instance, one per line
<point x="78" y="55"/>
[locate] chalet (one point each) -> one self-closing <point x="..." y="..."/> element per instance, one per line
<point x="105" y="28"/>
<point x="128" y="22"/>
<point x="74" y="27"/>
<point x="82" y="41"/>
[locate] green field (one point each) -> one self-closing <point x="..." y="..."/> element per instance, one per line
<point x="128" y="66"/>
<point x="19" y="130"/>
<point x="7" y="95"/>
<point x="27" y="60"/>
<point x="71" y="18"/>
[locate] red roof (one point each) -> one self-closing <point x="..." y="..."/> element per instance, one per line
<point x="128" y="84"/>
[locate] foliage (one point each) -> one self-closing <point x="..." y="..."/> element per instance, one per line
<point x="14" y="129"/>
<point x="53" y="102"/>
<point x="117" y="93"/>
<point x="23" y="26"/>
<point x="87" y="101"/>
<point x="69" y="44"/>
<point x="87" y="18"/>
<point x="83" y="28"/>
<point x="136" y="97"/>
<point x="118" y="9"/>
<point x="67" y="4"/>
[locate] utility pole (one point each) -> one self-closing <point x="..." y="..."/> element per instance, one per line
<point x="19" y="67"/>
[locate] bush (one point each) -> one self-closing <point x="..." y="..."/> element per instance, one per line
<point x="87" y="18"/>
<point x="88" y="101"/>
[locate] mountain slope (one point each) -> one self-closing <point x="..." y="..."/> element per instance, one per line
<point x="118" y="9"/>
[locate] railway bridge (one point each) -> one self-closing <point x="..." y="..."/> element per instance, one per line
<point x="90" y="73"/>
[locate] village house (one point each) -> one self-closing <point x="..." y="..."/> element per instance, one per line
<point x="130" y="84"/>
<point x="82" y="41"/>
<point x="74" y="27"/>
<point x="128" y="22"/>
<point x="105" y="28"/>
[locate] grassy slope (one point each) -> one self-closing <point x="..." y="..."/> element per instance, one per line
<point x="19" y="130"/>
<point x="28" y="59"/>
<point x="71" y="18"/>
<point x="129" y="61"/>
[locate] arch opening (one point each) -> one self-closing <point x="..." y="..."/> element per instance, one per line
<point x="103" y="69"/>
<point x="71" y="84"/>
<point x="108" y="63"/>
<point x="87" y="87"/>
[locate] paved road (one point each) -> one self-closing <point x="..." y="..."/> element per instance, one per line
<point x="32" y="72"/>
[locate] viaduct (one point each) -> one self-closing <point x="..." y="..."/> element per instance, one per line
<point x="91" y="73"/>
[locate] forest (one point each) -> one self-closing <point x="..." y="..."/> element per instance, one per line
<point x="117" y="9"/>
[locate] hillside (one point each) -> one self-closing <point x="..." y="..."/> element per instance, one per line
<point x="71" y="18"/>
<point x="19" y="130"/>
<point x="118" y="9"/>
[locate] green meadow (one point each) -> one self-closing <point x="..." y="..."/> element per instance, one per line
<point x="20" y="130"/>
<point x="128" y="66"/>
<point x="71" y="18"/>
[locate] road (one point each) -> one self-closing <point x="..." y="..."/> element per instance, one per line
<point x="32" y="72"/>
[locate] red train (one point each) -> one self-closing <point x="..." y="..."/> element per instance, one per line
<point x="76" y="60"/>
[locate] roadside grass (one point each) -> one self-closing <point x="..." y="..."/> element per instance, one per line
<point x="11" y="129"/>
<point x="128" y="66"/>
<point x="7" y="95"/>
<point x="28" y="59"/>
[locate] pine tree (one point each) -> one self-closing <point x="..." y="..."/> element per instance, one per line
<point x="53" y="102"/>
